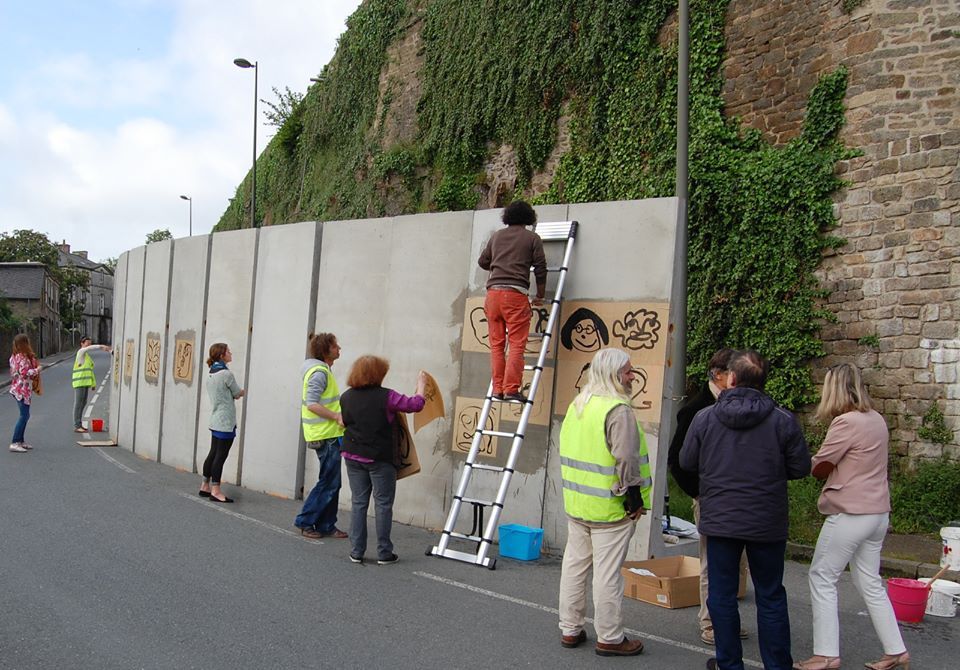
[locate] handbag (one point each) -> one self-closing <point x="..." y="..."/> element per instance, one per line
<point x="37" y="384"/>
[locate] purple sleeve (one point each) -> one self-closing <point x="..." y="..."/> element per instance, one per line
<point x="397" y="402"/>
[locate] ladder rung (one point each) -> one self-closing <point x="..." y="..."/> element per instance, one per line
<point x="462" y="556"/>
<point x="497" y="433"/>
<point x="462" y="536"/>
<point x="559" y="268"/>
<point x="488" y="468"/>
<point x="539" y="336"/>
<point x="528" y="368"/>
<point x="474" y="501"/>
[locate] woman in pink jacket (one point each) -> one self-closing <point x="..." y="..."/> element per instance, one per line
<point x="24" y="368"/>
<point x="856" y="500"/>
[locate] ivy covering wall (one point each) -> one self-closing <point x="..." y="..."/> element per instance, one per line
<point x="504" y="72"/>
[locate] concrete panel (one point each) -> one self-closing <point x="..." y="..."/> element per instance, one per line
<point x="119" y="304"/>
<point x="151" y="347"/>
<point x="232" y="257"/>
<point x="285" y="266"/>
<point x="184" y="366"/>
<point x="624" y="250"/>
<point x="130" y="348"/>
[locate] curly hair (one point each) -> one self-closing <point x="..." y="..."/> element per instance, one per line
<point x="519" y="213"/>
<point x="217" y="350"/>
<point x="368" y="371"/>
<point x="319" y="345"/>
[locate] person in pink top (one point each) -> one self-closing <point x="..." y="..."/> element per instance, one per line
<point x="856" y="500"/>
<point x="24" y="368"/>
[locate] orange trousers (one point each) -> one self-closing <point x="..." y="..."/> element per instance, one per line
<point x="508" y="317"/>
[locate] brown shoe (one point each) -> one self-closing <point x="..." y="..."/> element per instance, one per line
<point x="337" y="533"/>
<point x="626" y="648"/>
<point x="310" y="533"/>
<point x="571" y="641"/>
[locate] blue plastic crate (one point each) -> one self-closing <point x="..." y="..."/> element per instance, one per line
<point x="520" y="542"/>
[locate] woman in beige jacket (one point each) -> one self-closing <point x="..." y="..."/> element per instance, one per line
<point x="856" y="500"/>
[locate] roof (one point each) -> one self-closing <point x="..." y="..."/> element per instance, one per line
<point x="65" y="259"/>
<point x="22" y="281"/>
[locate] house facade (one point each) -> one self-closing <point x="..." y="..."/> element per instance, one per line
<point x="34" y="297"/>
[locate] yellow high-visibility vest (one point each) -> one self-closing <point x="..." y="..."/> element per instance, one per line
<point x="316" y="428"/>
<point x="83" y="372"/>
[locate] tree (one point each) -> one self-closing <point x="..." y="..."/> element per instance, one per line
<point x="159" y="235"/>
<point x="283" y="108"/>
<point x="73" y="285"/>
<point x="8" y="320"/>
<point x="110" y="263"/>
<point x="28" y="245"/>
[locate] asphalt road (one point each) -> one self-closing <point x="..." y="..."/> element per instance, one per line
<point x="110" y="561"/>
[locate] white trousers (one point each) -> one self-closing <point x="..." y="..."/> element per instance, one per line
<point x="855" y="539"/>
<point x="603" y="549"/>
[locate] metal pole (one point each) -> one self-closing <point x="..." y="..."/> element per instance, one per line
<point x="253" y="195"/>
<point x="683" y="130"/>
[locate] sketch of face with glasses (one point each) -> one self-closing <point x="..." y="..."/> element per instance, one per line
<point x="584" y="331"/>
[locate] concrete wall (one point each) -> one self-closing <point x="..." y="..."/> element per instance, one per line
<point x="129" y="344"/>
<point x="119" y="311"/>
<point x="402" y="288"/>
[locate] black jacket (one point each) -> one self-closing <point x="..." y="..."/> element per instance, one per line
<point x="745" y="448"/>
<point x="367" y="432"/>
<point x="688" y="481"/>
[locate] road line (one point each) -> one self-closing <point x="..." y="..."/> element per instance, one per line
<point x="114" y="461"/>
<point x="555" y="611"/>
<point x="86" y="412"/>
<point x="243" y="517"/>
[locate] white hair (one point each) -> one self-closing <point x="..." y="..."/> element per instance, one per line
<point x="603" y="378"/>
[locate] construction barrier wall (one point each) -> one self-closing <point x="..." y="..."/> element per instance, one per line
<point x="406" y="288"/>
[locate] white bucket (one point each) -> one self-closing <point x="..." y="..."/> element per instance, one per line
<point x="951" y="547"/>
<point x="942" y="600"/>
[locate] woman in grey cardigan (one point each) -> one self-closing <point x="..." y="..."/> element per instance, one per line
<point x="223" y="391"/>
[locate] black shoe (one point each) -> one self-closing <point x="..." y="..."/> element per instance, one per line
<point x="497" y="396"/>
<point x="515" y="397"/>
<point x="356" y="559"/>
<point x="392" y="558"/>
<point x="711" y="664"/>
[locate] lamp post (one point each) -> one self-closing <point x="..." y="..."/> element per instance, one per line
<point x="190" y="200"/>
<point x="244" y="63"/>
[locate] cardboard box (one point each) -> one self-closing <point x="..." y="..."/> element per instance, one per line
<point x="676" y="584"/>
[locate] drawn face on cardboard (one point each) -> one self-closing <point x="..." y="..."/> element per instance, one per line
<point x="639" y="389"/>
<point x="584" y="331"/>
<point x="585" y="336"/>
<point x="478" y="321"/>
<point x="467" y="427"/>
<point x="581" y="379"/>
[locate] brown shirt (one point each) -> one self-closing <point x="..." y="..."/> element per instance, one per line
<point x="856" y="444"/>
<point x="508" y="256"/>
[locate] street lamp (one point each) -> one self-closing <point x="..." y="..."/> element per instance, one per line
<point x="190" y="200"/>
<point x="244" y="63"/>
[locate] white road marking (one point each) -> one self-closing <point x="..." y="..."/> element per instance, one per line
<point x="220" y="507"/>
<point x="114" y="461"/>
<point x="554" y="611"/>
<point x="86" y="412"/>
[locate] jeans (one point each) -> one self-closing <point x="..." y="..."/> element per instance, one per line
<point x="21" y="426"/>
<point x="508" y="316"/>
<point x="320" y="507"/>
<point x="79" y="402"/>
<point x="855" y="539"/>
<point x="381" y="478"/>
<point x="773" y="621"/>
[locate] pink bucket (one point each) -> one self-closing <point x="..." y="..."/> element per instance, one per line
<point x="908" y="597"/>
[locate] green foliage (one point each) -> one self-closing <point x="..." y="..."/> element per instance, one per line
<point x="805" y="518"/>
<point x="850" y="5"/>
<point x="287" y="102"/>
<point x="111" y="263"/>
<point x="159" y="235"/>
<point x="28" y="245"/>
<point x="681" y="504"/>
<point x="869" y="341"/>
<point x="8" y="320"/>
<point x="73" y="285"/>
<point x="759" y="215"/>
<point x="925" y="499"/>
<point x="934" y="428"/>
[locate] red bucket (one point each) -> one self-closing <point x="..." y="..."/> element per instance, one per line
<point x="908" y="597"/>
<point x="96" y="425"/>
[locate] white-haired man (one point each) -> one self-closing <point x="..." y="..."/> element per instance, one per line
<point x="606" y="487"/>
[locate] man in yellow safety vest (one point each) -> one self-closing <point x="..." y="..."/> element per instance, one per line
<point x="606" y="488"/>
<point x="83" y="380"/>
<point x="322" y="430"/>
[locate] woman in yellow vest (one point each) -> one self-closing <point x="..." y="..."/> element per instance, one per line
<point x="606" y="487"/>
<point x="83" y="380"/>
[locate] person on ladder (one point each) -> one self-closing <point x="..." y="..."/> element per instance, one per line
<point x="606" y="487"/>
<point x="508" y="256"/>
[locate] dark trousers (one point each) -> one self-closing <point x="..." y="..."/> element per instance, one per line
<point x="219" y="450"/>
<point x="773" y="621"/>
<point x="381" y="479"/>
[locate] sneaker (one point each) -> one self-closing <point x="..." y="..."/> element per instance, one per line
<point x="516" y="396"/>
<point x="18" y="448"/>
<point x="356" y="559"/>
<point x="26" y="446"/>
<point x="392" y="558"/>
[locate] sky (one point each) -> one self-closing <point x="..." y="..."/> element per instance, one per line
<point x="110" y="110"/>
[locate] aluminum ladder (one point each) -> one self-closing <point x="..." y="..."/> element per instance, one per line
<point x="565" y="231"/>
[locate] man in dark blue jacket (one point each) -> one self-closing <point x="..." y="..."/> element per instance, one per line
<point x="745" y="448"/>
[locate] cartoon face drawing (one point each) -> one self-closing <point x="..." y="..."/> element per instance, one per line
<point x="467" y="427"/>
<point x="581" y="380"/>
<point x="639" y="388"/>
<point x="638" y="330"/>
<point x="478" y="321"/>
<point x="584" y="331"/>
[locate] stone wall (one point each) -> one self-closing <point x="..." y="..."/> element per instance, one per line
<point x="895" y="286"/>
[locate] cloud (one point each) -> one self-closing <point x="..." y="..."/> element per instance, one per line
<point x="99" y="144"/>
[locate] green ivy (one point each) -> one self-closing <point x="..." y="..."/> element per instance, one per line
<point x="934" y="428"/>
<point x="503" y="73"/>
